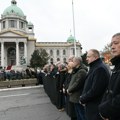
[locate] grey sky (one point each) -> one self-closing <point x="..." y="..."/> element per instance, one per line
<point x="95" y="20"/>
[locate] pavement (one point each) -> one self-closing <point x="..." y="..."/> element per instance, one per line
<point x="28" y="103"/>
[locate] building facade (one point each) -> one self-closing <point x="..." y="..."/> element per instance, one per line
<point x="60" y="51"/>
<point x="17" y="41"/>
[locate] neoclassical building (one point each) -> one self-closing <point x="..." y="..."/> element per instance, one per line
<point x="17" y="41"/>
<point x="60" y="51"/>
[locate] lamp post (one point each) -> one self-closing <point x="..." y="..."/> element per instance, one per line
<point x="74" y="28"/>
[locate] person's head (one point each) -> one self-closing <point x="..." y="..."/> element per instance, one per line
<point x="115" y="45"/>
<point x="52" y="66"/>
<point x="77" y="61"/>
<point x="70" y="66"/>
<point x="60" y="67"/>
<point x="70" y="59"/>
<point x="92" y="55"/>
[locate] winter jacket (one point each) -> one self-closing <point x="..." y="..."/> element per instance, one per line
<point x="95" y="86"/>
<point x="110" y="106"/>
<point x="77" y="83"/>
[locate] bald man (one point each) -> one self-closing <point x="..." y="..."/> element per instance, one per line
<point x="95" y="85"/>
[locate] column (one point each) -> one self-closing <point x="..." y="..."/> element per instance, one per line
<point x="2" y="54"/>
<point x="17" y="54"/>
<point x="17" y="24"/>
<point x="54" y="55"/>
<point x="7" y="23"/>
<point x="25" y="51"/>
<point x="61" y="55"/>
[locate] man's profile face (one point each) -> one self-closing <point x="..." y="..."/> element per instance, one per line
<point x="90" y="57"/>
<point x="75" y="62"/>
<point x="115" y="46"/>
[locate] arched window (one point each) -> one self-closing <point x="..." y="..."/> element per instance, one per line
<point x="58" y="52"/>
<point x="3" y="25"/>
<point x="64" y="52"/>
<point x="51" y="52"/>
<point x="73" y="51"/>
<point x="51" y="60"/>
<point x="58" y="59"/>
<point x="64" y="60"/>
<point x="21" y="25"/>
<point x="12" y="23"/>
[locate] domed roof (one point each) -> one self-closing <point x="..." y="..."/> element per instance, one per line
<point x="13" y="9"/>
<point x="71" y="39"/>
<point x="30" y="23"/>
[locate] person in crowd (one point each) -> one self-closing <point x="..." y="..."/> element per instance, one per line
<point x="60" y="80"/>
<point x="95" y="85"/>
<point x="69" y="106"/>
<point x="76" y="86"/>
<point x="40" y="76"/>
<point x="110" y="106"/>
<point x="70" y="59"/>
<point x="46" y="69"/>
<point x="18" y="75"/>
<point x="28" y="72"/>
<point x="53" y="70"/>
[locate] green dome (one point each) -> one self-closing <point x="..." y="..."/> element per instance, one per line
<point x="30" y="23"/>
<point x="71" y="39"/>
<point x="13" y="9"/>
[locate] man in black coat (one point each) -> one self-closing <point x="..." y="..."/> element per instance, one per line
<point x="110" y="107"/>
<point x="95" y="85"/>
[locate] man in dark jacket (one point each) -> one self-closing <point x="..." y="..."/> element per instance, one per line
<point x="95" y="85"/>
<point x="110" y="106"/>
<point x="76" y="86"/>
<point x="69" y="106"/>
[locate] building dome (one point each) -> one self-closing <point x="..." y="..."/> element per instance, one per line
<point x="13" y="9"/>
<point x="30" y="23"/>
<point x="71" y="39"/>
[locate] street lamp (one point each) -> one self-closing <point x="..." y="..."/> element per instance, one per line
<point x="74" y="27"/>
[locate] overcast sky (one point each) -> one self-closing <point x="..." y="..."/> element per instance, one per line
<point x="95" y="20"/>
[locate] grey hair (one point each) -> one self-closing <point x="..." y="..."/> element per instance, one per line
<point x="117" y="34"/>
<point x="78" y="59"/>
<point x="95" y="52"/>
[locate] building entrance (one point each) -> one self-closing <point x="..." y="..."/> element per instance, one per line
<point x="11" y="56"/>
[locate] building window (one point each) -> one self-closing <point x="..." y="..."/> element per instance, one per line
<point x="64" y="52"/>
<point x="30" y="29"/>
<point x="12" y="24"/>
<point x="51" y="52"/>
<point x="58" y="59"/>
<point x="73" y="51"/>
<point x="3" y="24"/>
<point x="58" y="52"/>
<point x="51" y="60"/>
<point x="64" y="60"/>
<point x="21" y="25"/>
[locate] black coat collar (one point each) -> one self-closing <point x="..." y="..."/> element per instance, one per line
<point x="96" y="62"/>
<point x="116" y="61"/>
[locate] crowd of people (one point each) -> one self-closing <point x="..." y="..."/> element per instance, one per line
<point x="85" y="94"/>
<point x="17" y="74"/>
<point x="92" y="94"/>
